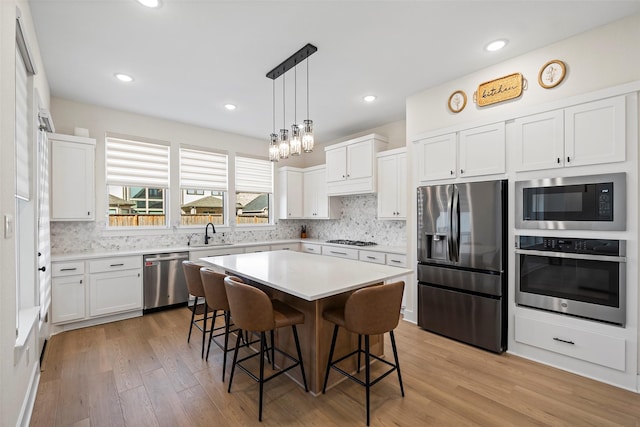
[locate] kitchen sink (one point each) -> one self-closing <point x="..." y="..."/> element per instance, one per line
<point x="210" y="245"/>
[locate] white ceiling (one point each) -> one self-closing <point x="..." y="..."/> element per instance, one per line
<point x="191" y="57"/>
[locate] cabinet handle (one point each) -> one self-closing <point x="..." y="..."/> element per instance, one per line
<point x="116" y="265"/>
<point x="343" y="176"/>
<point x="568" y="159"/>
<point x="395" y="260"/>
<point x="81" y="281"/>
<point x="88" y="213"/>
<point x="68" y="269"/>
<point x="371" y="257"/>
<point x="558" y="160"/>
<point x="338" y="253"/>
<point x="461" y="171"/>
<point x="565" y="341"/>
<point x="451" y="172"/>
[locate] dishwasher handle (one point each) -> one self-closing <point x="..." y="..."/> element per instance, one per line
<point x="168" y="258"/>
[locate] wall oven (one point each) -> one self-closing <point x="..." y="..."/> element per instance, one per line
<point x="574" y="276"/>
<point x="595" y="202"/>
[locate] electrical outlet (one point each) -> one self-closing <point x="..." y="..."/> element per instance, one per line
<point x="9" y="225"/>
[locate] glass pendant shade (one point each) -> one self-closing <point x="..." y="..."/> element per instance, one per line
<point x="274" y="150"/>
<point x="307" y="136"/>
<point x="284" y="143"/>
<point x="295" y="144"/>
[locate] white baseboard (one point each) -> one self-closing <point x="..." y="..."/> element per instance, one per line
<point x="24" y="418"/>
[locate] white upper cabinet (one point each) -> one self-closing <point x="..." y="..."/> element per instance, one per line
<point x="482" y="150"/>
<point x="392" y="184"/>
<point x="72" y="178"/>
<point x="585" y="134"/>
<point x="351" y="167"/>
<point x="472" y="152"/>
<point x="317" y="204"/>
<point x="290" y="201"/>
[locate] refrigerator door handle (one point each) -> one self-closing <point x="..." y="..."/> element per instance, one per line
<point x="454" y="248"/>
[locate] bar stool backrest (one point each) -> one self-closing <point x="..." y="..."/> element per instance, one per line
<point x="192" y="276"/>
<point x="214" y="291"/>
<point x="251" y="308"/>
<point x="374" y="310"/>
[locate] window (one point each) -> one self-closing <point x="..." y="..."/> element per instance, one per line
<point x="137" y="182"/>
<point x="254" y="191"/>
<point x="203" y="186"/>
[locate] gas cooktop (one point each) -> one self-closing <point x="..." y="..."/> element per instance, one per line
<point x="352" y="242"/>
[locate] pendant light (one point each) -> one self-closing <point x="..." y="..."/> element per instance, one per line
<point x="280" y="147"/>
<point x="307" y="130"/>
<point x="295" y="145"/>
<point x="284" y="132"/>
<point x="274" y="151"/>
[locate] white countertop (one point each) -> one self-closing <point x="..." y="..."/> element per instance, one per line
<point x="307" y="276"/>
<point x="127" y="252"/>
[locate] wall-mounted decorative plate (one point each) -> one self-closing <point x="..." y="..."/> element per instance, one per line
<point x="551" y="74"/>
<point x="457" y="101"/>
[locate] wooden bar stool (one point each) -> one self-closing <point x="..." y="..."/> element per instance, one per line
<point x="368" y="311"/>
<point x="194" y="285"/>
<point x="216" y="299"/>
<point x="252" y="310"/>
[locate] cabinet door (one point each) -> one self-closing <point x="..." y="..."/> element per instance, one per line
<point x="72" y="181"/>
<point x="310" y="208"/>
<point x="336" y="164"/>
<point x="67" y="298"/>
<point x="482" y="150"/>
<point x="401" y="187"/>
<point x="595" y="132"/>
<point x="387" y="187"/>
<point x="115" y="292"/>
<point x="437" y="158"/>
<point x="360" y="160"/>
<point x="290" y="202"/>
<point x="539" y="141"/>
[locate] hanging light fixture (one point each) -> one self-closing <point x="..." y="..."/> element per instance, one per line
<point x="284" y="132"/>
<point x="274" y="151"/>
<point x="307" y="130"/>
<point x="301" y="136"/>
<point x="295" y="145"/>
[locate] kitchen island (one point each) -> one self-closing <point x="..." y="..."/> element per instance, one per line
<point x="311" y="284"/>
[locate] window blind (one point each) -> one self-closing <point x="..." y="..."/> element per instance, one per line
<point x="254" y="175"/>
<point x="203" y="170"/>
<point x="137" y="163"/>
<point x="22" y="129"/>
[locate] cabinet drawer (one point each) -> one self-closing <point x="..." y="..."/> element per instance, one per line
<point x="595" y="348"/>
<point x="61" y="269"/>
<point x="285" y="247"/>
<point x="340" y="252"/>
<point x="114" y="264"/>
<point x="370" y="256"/>
<point x="311" y="248"/>
<point x="263" y="248"/>
<point x="196" y="255"/>
<point x="397" y="260"/>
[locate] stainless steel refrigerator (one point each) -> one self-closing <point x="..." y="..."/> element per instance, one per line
<point x="462" y="264"/>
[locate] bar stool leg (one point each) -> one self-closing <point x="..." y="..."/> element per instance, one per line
<point x="395" y="356"/>
<point x="227" y="320"/>
<point x="193" y="316"/>
<point x="333" y="346"/>
<point x="367" y="370"/>
<point x="235" y="359"/>
<point x="359" y="350"/>
<point x="204" y="329"/>
<point x="295" y="337"/>
<point x="263" y="349"/>
<point x="273" y="351"/>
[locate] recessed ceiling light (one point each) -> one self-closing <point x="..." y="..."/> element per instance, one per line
<point x="496" y="45"/>
<point x="230" y="107"/>
<point x="150" y="3"/>
<point x="124" y="77"/>
<point x="369" y="98"/>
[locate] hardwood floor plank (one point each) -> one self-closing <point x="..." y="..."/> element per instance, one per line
<point x="142" y="372"/>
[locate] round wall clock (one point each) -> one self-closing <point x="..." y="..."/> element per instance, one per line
<point x="551" y="74"/>
<point x="457" y="101"/>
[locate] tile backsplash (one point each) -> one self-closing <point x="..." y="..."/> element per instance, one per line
<point x="357" y="222"/>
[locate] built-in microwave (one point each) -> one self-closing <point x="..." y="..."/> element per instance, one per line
<point x="595" y="202"/>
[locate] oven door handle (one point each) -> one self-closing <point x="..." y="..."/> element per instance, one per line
<point x="572" y="255"/>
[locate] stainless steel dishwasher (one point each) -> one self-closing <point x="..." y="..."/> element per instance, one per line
<point x="164" y="282"/>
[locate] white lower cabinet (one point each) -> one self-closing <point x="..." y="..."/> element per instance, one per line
<point x="604" y="350"/>
<point x="286" y="247"/>
<point x="311" y="248"/>
<point x="340" y="252"/>
<point x="67" y="298"/>
<point x="116" y="286"/>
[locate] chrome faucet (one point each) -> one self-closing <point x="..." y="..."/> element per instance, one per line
<point x="206" y="232"/>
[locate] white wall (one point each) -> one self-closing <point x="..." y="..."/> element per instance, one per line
<point x="17" y="370"/>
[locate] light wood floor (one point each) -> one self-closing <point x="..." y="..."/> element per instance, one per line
<point x="142" y="372"/>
